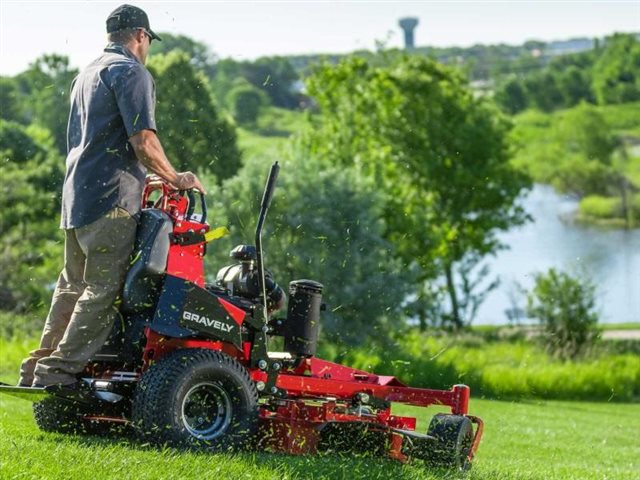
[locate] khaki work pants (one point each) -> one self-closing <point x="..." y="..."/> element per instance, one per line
<point x="96" y="260"/>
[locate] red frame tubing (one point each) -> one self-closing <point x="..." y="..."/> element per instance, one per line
<point x="320" y="378"/>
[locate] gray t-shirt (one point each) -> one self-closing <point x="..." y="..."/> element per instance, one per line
<point x="111" y="100"/>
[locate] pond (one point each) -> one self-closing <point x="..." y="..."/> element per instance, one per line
<point x="611" y="258"/>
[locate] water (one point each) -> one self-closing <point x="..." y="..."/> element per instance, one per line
<point x="611" y="258"/>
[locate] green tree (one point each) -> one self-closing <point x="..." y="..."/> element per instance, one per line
<point x="439" y="155"/>
<point x="193" y="133"/>
<point x="44" y="95"/>
<point x="246" y="101"/>
<point x="227" y="73"/>
<point x="200" y="55"/>
<point x="276" y="77"/>
<point x="585" y="131"/>
<point x="325" y="223"/>
<point x="575" y="85"/>
<point x="9" y="99"/>
<point x="565" y="306"/>
<point x="511" y="96"/>
<point x="30" y="248"/>
<point x="616" y="73"/>
<point x="543" y="90"/>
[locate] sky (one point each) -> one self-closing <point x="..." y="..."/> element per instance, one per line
<point x="247" y="30"/>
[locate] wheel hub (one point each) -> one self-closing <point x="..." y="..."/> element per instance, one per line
<point x="206" y="411"/>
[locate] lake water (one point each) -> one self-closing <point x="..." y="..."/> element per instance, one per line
<point x="611" y="258"/>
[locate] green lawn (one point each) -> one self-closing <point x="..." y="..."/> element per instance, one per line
<point x="549" y="440"/>
<point x="524" y="440"/>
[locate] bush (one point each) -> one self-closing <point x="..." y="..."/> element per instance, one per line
<point x="246" y="101"/>
<point x="564" y="305"/>
<point x="517" y="369"/>
<point x="600" y="207"/>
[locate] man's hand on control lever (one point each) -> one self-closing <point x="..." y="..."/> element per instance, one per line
<point x="188" y="180"/>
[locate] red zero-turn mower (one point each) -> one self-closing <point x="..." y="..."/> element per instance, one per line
<point x="189" y="363"/>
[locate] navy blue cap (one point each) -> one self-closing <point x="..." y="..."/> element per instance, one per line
<point x="128" y="16"/>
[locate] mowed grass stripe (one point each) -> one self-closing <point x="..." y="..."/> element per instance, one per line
<point x="542" y="440"/>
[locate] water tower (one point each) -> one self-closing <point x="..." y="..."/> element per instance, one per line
<point x="408" y="25"/>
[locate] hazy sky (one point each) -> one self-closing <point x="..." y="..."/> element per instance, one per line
<point x="246" y="30"/>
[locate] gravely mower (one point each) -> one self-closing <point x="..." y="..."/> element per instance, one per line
<point x="189" y="363"/>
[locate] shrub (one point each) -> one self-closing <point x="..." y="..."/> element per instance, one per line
<point x="600" y="207"/>
<point x="246" y="101"/>
<point x="565" y="306"/>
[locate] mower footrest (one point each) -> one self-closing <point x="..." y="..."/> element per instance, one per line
<point x="25" y="393"/>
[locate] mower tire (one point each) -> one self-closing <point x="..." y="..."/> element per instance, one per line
<point x="196" y="398"/>
<point x="453" y="436"/>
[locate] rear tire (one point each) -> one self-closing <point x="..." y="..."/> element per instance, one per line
<point x="196" y="398"/>
<point x="453" y="439"/>
<point x="54" y="414"/>
<point x="57" y="415"/>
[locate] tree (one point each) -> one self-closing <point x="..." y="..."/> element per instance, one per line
<point x="192" y="131"/>
<point x="30" y="247"/>
<point x="543" y="90"/>
<point x="11" y="109"/>
<point x="511" y="96"/>
<point x="325" y="224"/>
<point x="616" y="73"/>
<point x="565" y="306"/>
<point x="439" y="155"/>
<point x="44" y="95"/>
<point x="246" y="101"/>
<point x="275" y="76"/>
<point x="200" y="55"/>
<point x="585" y="131"/>
<point x="574" y="83"/>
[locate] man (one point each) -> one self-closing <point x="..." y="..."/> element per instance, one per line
<point x="111" y="139"/>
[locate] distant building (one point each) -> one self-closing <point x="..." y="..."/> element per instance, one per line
<point x="408" y="24"/>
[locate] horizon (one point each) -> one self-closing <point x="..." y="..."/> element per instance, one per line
<point x="250" y="30"/>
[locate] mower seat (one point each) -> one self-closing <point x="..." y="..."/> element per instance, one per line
<point x="144" y="279"/>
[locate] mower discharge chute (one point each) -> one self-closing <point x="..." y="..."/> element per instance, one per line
<point x="189" y="364"/>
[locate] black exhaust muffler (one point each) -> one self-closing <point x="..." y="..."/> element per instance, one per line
<point x="303" y="317"/>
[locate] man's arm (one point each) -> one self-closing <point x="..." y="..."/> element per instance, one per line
<point x="149" y="151"/>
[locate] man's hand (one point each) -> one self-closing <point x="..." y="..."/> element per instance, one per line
<point x="188" y="180"/>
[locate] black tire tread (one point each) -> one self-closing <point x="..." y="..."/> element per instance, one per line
<point x="150" y="406"/>
<point x="454" y="434"/>
<point x="59" y="416"/>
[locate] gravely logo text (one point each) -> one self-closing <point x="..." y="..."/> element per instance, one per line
<point x="218" y="325"/>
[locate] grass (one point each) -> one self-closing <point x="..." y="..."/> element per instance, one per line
<point x="558" y="440"/>
<point x="523" y="440"/>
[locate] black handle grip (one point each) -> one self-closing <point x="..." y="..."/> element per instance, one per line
<point x="192" y="205"/>
<point x="270" y="187"/>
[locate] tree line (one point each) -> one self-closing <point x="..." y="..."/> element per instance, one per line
<point x="608" y="74"/>
<point x="392" y="195"/>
